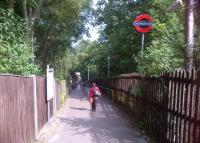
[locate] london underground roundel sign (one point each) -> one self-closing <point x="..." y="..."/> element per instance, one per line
<point x="143" y="23"/>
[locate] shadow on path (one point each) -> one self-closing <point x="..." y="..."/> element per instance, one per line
<point x="78" y="108"/>
<point x="79" y="125"/>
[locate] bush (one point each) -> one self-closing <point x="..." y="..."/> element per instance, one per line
<point x="159" y="57"/>
<point x="15" y="45"/>
<point x="165" y="51"/>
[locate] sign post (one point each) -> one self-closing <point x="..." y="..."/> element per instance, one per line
<point x="50" y="83"/>
<point x="143" y="24"/>
<point x="142" y="52"/>
<point x="50" y="89"/>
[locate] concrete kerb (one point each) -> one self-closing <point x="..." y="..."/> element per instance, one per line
<point x="49" y="128"/>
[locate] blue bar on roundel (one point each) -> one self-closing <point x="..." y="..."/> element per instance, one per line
<point x="142" y="24"/>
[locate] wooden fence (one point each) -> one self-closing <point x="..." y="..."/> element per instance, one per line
<point x="16" y="109"/>
<point x="41" y="101"/>
<point x="18" y="116"/>
<point x="167" y="106"/>
<point x="61" y="93"/>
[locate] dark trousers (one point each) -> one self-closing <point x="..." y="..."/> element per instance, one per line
<point x="94" y="104"/>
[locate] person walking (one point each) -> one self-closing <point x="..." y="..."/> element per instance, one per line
<point x="94" y="93"/>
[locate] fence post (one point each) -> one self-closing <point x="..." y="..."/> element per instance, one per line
<point x="196" y="131"/>
<point x="113" y="96"/>
<point x="48" y="111"/>
<point x="166" y="90"/>
<point x="35" y="106"/>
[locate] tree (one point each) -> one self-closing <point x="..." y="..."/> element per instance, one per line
<point x="50" y="27"/>
<point x="189" y="33"/>
<point x="24" y="8"/>
<point x="60" y="22"/>
<point x="166" y="36"/>
<point x="15" y="47"/>
<point x="197" y="37"/>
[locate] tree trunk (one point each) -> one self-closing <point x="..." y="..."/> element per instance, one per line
<point x="24" y="8"/>
<point x="9" y="3"/>
<point x="38" y="8"/>
<point x="189" y="33"/>
<point x="198" y="15"/>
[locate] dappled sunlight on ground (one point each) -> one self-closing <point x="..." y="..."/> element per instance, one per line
<point x="79" y="125"/>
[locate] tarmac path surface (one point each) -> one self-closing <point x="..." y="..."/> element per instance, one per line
<point x="78" y="124"/>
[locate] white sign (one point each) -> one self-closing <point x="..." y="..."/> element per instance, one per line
<point x="50" y="84"/>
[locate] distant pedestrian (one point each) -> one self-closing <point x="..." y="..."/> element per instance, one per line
<point x="94" y="93"/>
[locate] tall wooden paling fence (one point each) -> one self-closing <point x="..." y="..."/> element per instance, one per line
<point x="23" y="107"/>
<point x="166" y="106"/>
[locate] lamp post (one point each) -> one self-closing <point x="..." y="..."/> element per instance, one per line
<point x="88" y="72"/>
<point x="108" y="63"/>
<point x="108" y="66"/>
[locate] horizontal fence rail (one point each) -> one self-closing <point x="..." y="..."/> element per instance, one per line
<point x="167" y="106"/>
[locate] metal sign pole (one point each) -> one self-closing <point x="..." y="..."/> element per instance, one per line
<point x="143" y="24"/>
<point x="142" y="50"/>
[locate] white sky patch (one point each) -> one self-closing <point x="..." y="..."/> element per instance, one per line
<point x="94" y="5"/>
<point x="94" y="33"/>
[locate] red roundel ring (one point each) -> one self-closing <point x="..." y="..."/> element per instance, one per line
<point x="142" y="17"/>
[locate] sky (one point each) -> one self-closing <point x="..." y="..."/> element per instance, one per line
<point x="94" y="35"/>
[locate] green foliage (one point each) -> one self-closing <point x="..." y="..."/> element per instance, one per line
<point x="15" y="46"/>
<point x="50" y="28"/>
<point x="32" y="3"/>
<point x="159" y="57"/>
<point x="137" y="90"/>
<point x="165" y="52"/>
<point x="63" y="66"/>
<point x="163" y="45"/>
<point x="85" y="53"/>
<point x="60" y="22"/>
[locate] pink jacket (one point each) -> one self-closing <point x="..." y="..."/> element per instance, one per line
<point x="92" y="89"/>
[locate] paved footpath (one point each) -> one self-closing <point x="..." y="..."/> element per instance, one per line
<point x="79" y="125"/>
